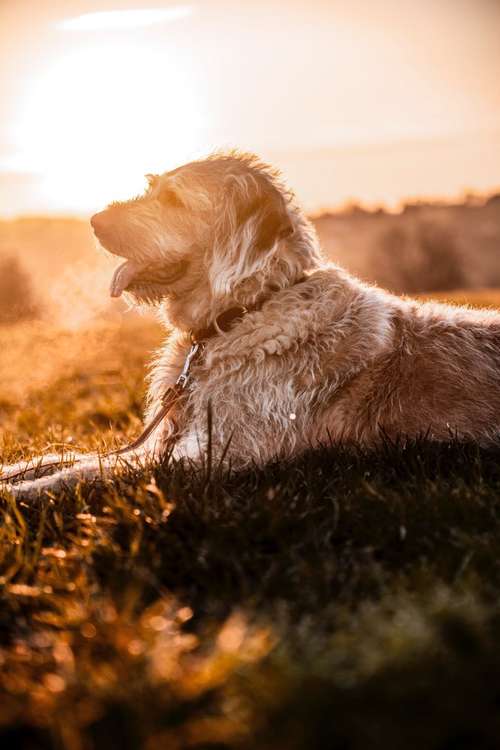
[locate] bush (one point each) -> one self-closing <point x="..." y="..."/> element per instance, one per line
<point x="440" y="266"/>
<point x="423" y="257"/>
<point x="17" y="297"/>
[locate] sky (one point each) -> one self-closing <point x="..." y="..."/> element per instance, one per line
<point x="372" y="100"/>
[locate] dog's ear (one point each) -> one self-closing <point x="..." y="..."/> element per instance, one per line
<point x="152" y="180"/>
<point x="265" y="207"/>
<point x="252" y="217"/>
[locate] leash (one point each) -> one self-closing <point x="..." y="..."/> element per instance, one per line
<point x="168" y="400"/>
<point x="173" y="394"/>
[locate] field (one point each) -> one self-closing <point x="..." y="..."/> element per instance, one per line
<point x="344" y="601"/>
<point x="347" y="600"/>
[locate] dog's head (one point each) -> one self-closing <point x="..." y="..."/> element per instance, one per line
<point x="199" y="231"/>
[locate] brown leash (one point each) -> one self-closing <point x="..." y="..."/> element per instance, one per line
<point x="222" y="324"/>
<point x="169" y="398"/>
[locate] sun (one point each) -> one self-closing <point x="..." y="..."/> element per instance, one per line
<point x="99" y="118"/>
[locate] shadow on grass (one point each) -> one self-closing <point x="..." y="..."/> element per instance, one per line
<point x="345" y="600"/>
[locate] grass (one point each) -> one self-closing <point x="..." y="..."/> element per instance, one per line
<point x="347" y="600"/>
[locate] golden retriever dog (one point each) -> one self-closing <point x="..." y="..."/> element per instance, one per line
<point x="285" y="351"/>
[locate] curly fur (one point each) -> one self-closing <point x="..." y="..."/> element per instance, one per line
<point x="329" y="358"/>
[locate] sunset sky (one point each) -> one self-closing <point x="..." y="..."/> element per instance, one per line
<point x="375" y="100"/>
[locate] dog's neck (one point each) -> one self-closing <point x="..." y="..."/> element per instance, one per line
<point x="250" y="294"/>
<point x="199" y="310"/>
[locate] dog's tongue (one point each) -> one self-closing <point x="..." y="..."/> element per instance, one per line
<point x="123" y="276"/>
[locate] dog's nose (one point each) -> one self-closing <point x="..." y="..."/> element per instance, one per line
<point x="98" y="221"/>
<point x="104" y="225"/>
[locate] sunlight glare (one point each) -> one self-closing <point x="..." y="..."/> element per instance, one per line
<point x="98" y="120"/>
<point x="124" y="19"/>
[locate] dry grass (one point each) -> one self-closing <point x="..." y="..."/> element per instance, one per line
<point x="84" y="386"/>
<point x="343" y="601"/>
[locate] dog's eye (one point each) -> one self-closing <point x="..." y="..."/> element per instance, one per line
<point x="169" y="197"/>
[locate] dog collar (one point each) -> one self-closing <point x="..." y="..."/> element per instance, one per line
<point x="222" y="323"/>
<point x="225" y="320"/>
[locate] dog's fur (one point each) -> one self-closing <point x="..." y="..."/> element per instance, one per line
<point x="327" y="358"/>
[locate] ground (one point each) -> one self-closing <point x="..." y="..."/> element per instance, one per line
<point x="347" y="600"/>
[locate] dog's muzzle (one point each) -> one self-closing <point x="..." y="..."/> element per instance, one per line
<point x="105" y="225"/>
<point x="132" y="272"/>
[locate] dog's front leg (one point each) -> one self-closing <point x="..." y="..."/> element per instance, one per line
<point x="39" y="466"/>
<point x="93" y="469"/>
<point x="60" y="480"/>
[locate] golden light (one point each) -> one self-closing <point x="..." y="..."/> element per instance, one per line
<point x="95" y="120"/>
<point x="373" y="103"/>
<point x="124" y="19"/>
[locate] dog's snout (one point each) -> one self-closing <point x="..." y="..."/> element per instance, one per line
<point x="100" y="221"/>
<point x="104" y="225"/>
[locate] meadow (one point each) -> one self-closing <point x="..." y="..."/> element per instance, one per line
<point x="346" y="600"/>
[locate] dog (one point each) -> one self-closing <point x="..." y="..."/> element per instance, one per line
<point x="274" y="351"/>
